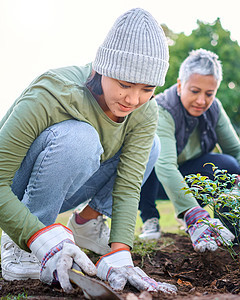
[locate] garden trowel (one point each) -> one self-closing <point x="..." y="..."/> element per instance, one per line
<point x="92" y="288"/>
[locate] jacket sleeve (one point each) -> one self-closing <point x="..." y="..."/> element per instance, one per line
<point x="133" y="160"/>
<point x="227" y="136"/>
<point x="166" y="167"/>
<point x="26" y="120"/>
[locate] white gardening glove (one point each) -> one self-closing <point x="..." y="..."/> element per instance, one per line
<point x="55" y="248"/>
<point x="117" y="268"/>
<point x="203" y="236"/>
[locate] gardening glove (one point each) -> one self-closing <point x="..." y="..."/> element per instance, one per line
<point x="203" y="235"/>
<point x="55" y="248"/>
<point x="117" y="268"/>
<point x="236" y="189"/>
<point x="237" y="182"/>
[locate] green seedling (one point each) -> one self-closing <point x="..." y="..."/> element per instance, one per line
<point x="221" y="195"/>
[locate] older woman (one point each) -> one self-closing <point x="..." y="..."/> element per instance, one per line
<point x="191" y="122"/>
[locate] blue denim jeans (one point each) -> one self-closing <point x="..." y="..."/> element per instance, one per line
<point x="62" y="169"/>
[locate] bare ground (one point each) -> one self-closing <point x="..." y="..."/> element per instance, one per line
<point x="197" y="276"/>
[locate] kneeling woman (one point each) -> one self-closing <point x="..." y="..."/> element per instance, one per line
<point x="191" y="122"/>
<point x="80" y="133"/>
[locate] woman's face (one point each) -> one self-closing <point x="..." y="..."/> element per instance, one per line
<point x="198" y="93"/>
<point x="120" y="98"/>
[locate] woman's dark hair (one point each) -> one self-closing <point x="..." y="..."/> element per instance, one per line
<point x="94" y="84"/>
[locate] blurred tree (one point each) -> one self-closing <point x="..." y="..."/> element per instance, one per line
<point x="213" y="37"/>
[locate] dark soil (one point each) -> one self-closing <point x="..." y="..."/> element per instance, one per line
<point x="197" y="276"/>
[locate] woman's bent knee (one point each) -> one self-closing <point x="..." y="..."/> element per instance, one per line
<point x="75" y="141"/>
<point x="227" y="162"/>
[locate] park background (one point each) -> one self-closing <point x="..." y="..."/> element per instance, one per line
<point x="37" y="35"/>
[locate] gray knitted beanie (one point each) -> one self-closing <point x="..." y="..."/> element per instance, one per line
<point x="135" y="50"/>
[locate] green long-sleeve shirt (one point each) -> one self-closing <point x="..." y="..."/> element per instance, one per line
<point x="59" y="95"/>
<point x="167" y="165"/>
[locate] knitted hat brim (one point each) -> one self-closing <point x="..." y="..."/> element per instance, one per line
<point x="130" y="67"/>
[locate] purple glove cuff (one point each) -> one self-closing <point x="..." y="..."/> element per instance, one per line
<point x="194" y="214"/>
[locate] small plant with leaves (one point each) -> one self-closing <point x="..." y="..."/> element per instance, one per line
<point x="221" y="194"/>
<point x="144" y="248"/>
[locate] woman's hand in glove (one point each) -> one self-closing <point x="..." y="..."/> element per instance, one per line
<point x="55" y="248"/>
<point x="206" y="233"/>
<point x="117" y="268"/>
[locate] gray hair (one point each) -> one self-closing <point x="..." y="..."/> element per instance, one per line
<point x="201" y="62"/>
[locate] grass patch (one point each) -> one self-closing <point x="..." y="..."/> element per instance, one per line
<point x="11" y="297"/>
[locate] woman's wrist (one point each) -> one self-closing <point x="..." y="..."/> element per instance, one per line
<point x="116" y="246"/>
